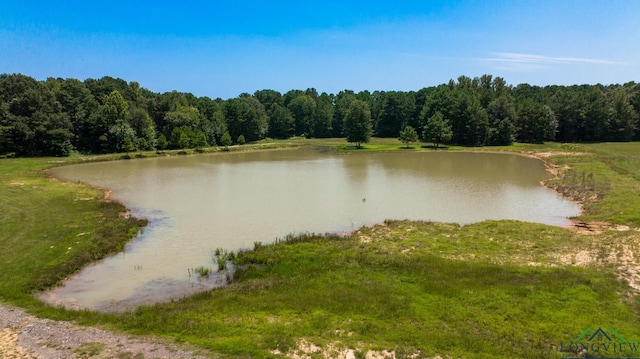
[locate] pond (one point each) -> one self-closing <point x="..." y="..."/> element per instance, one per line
<point x="196" y="204"/>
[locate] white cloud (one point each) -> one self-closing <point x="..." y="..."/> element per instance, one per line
<point x="541" y="60"/>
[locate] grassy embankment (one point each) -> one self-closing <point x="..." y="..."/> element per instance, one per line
<point x="494" y="289"/>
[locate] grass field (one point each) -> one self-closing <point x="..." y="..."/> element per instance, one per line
<point x="496" y="289"/>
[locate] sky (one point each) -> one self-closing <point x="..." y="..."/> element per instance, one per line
<point x="224" y="48"/>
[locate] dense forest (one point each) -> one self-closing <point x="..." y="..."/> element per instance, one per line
<point x="57" y="116"/>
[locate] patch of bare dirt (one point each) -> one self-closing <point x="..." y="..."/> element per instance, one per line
<point x="24" y="336"/>
<point x="591" y="228"/>
<point x="551" y="168"/>
<point x="554" y="153"/>
<point x="598" y="227"/>
<point x="307" y="350"/>
<point x="616" y="251"/>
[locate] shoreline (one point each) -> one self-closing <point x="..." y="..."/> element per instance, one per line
<point x="69" y="304"/>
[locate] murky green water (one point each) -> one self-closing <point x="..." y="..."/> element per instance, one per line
<point x="196" y="204"/>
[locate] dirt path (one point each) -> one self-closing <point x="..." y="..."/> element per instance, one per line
<point x="24" y="336"/>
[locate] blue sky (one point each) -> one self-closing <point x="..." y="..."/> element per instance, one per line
<point x="224" y="48"/>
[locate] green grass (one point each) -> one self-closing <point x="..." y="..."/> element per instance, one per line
<point x="404" y="293"/>
<point x="50" y="230"/>
<point x="496" y="289"/>
<point x="616" y="168"/>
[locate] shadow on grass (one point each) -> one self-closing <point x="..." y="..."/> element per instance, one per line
<point x="432" y="147"/>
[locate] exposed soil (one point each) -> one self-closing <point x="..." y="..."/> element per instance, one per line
<point x="24" y="336"/>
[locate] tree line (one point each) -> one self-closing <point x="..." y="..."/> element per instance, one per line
<point x="57" y="116"/>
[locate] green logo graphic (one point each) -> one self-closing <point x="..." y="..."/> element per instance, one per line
<point x="600" y="344"/>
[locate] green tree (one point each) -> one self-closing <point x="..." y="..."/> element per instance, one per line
<point x="596" y="120"/>
<point x="199" y="140"/>
<point x="213" y="123"/>
<point x="408" y="135"/>
<point x="303" y="109"/>
<point x="241" y="140"/>
<point x="622" y="117"/>
<point x="128" y="145"/>
<point x="79" y="104"/>
<point x="357" y="123"/>
<point x="536" y="122"/>
<point x="182" y="117"/>
<point x="142" y="124"/>
<point x="181" y="137"/>
<point x="567" y="106"/>
<point x="342" y="101"/>
<point x="33" y="123"/>
<point x="502" y="115"/>
<point x="184" y="141"/>
<point x="246" y="116"/>
<point x="437" y="130"/>
<point x="469" y="121"/>
<point x="107" y="85"/>
<point x="397" y="112"/>
<point x="323" y="116"/>
<point x="226" y="141"/>
<point x="162" y="142"/>
<point x="281" y="122"/>
<point x="114" y="108"/>
<point x="113" y="114"/>
<point x="257" y="122"/>
<point x="121" y="138"/>
<point x="268" y="98"/>
<point x="142" y="144"/>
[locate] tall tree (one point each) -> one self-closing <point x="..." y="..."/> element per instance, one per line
<point x="162" y="142"/>
<point x="323" y="116"/>
<point x="536" y="122"/>
<point x="594" y="114"/>
<point x="105" y="86"/>
<point x="622" y="117"/>
<point x="408" y="135"/>
<point x="568" y="108"/>
<point x="142" y="125"/>
<point x="114" y="108"/>
<point x="79" y="104"/>
<point x="121" y="138"/>
<point x="182" y="117"/>
<point x="226" y="141"/>
<point x="437" y="130"/>
<point x="32" y="121"/>
<point x="469" y="121"/>
<point x="397" y="112"/>
<point x="213" y="122"/>
<point x="342" y="101"/>
<point x="281" y="122"/>
<point x="502" y="116"/>
<point x="303" y="109"/>
<point x="269" y="98"/>
<point x="357" y="123"/>
<point x="246" y="116"/>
